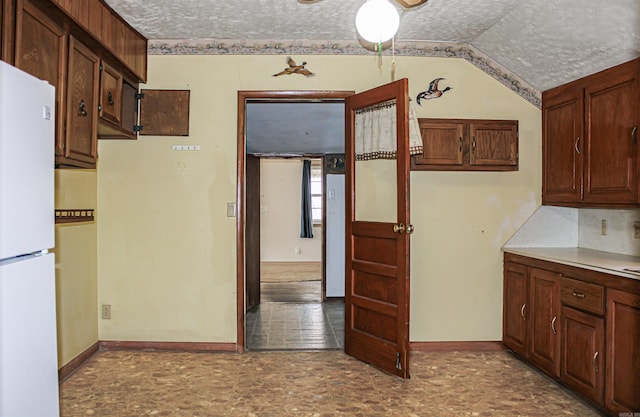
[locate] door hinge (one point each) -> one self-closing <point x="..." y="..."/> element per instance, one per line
<point x="100" y="68"/>
<point x="398" y="362"/>
<point x="138" y="128"/>
<point x="139" y="96"/>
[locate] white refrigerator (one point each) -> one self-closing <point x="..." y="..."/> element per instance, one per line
<point x="28" y="352"/>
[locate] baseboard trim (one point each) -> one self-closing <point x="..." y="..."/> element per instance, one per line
<point x="483" y="346"/>
<point x="70" y="367"/>
<point x="167" y="346"/>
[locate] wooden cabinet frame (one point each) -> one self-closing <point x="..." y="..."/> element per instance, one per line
<point x="467" y="145"/>
<point x="589" y="140"/>
<point x="599" y="346"/>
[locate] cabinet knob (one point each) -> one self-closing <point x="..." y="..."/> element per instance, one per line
<point x="595" y="362"/>
<point x="634" y="136"/>
<point x="473" y="145"/>
<point x="82" y="111"/>
<point x="553" y="325"/>
<point x="576" y="145"/>
<point x="578" y="294"/>
<point x="460" y="143"/>
<point x="524" y="317"/>
<point x="110" y="98"/>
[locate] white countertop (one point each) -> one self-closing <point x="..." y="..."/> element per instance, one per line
<point x="610" y="263"/>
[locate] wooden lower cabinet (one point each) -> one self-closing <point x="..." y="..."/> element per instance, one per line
<point x="531" y="311"/>
<point x="580" y="326"/>
<point x="583" y="353"/>
<point x="623" y="352"/>
<point x="514" y="319"/>
<point x="544" y="340"/>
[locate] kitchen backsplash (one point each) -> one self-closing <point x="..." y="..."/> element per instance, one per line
<point x="551" y="226"/>
<point x="619" y="237"/>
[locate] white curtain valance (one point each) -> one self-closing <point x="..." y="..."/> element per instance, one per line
<point x="375" y="132"/>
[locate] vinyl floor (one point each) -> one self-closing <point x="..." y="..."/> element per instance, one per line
<point x="311" y="384"/>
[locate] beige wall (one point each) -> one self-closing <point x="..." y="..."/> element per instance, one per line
<point x="167" y="250"/>
<point x="280" y="192"/>
<point x="76" y="265"/>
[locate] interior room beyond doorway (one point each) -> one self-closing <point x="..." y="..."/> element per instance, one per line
<point x="290" y="312"/>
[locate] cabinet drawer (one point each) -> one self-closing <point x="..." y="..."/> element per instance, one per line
<point x="582" y="295"/>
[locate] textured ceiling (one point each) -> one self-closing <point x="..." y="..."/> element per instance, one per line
<point x="544" y="42"/>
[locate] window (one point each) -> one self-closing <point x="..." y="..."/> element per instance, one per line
<point x="316" y="191"/>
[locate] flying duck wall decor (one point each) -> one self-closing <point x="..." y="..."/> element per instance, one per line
<point x="432" y="91"/>
<point x="293" y="68"/>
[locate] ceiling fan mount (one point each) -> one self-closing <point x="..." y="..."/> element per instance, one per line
<point x="407" y="4"/>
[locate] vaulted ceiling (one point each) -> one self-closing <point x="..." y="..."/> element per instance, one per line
<point x="545" y="43"/>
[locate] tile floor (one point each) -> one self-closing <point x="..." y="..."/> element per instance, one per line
<point x="311" y="384"/>
<point x="300" y="326"/>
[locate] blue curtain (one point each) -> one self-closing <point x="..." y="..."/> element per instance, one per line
<point x="306" y="221"/>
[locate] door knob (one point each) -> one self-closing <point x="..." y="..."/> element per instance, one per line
<point x="399" y="228"/>
<point x="409" y="229"/>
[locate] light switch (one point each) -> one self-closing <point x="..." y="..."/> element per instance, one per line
<point x="331" y="193"/>
<point x="231" y="209"/>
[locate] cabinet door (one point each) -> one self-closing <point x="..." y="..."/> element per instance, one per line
<point x="493" y="143"/>
<point x="110" y="94"/>
<point x="514" y="326"/>
<point x="612" y="119"/>
<point x="623" y="352"/>
<point x="583" y="353"/>
<point x="40" y="51"/>
<point x="562" y="145"/>
<point x="442" y="142"/>
<point x="129" y="108"/>
<point x="544" y="340"/>
<point x="82" y="104"/>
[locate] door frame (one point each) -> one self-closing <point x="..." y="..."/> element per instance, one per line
<point x="260" y="96"/>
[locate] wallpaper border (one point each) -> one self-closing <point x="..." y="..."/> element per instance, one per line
<point x="421" y="49"/>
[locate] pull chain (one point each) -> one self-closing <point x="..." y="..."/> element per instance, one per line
<point x="393" y="58"/>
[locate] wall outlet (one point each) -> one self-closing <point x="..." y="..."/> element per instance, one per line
<point x="603" y="227"/>
<point x="106" y="311"/>
<point x="297" y="250"/>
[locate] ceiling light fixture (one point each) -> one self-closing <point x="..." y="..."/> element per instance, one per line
<point x="377" y="21"/>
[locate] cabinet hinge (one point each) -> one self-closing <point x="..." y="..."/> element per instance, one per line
<point x="139" y="96"/>
<point x="398" y="362"/>
<point x="100" y="67"/>
<point x="137" y="128"/>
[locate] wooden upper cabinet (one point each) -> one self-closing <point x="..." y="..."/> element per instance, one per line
<point x="611" y="106"/>
<point x="590" y="149"/>
<point x="40" y="50"/>
<point x="109" y="107"/>
<point x="493" y="143"/>
<point x="101" y="23"/>
<point x="95" y="20"/>
<point x="562" y="145"/>
<point x="467" y="145"/>
<point x="442" y="142"/>
<point x="82" y="106"/>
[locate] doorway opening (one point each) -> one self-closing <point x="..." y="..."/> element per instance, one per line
<point x="289" y="308"/>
